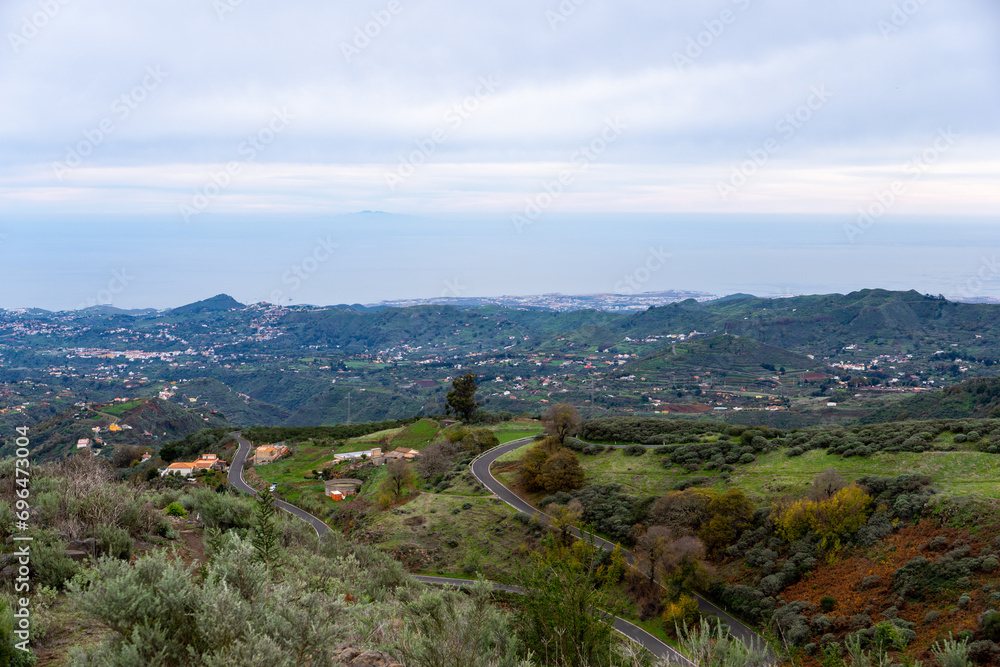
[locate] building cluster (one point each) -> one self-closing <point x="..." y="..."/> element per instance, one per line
<point x="376" y="456"/>
<point x="203" y="462"/>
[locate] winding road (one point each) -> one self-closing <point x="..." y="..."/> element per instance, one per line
<point x="633" y="632"/>
<point x="481" y="470"/>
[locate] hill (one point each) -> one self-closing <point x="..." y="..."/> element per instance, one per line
<point x="145" y="422"/>
<point x="239" y="409"/>
<point x="977" y="398"/>
<point x="726" y="353"/>
<point x="220" y="302"/>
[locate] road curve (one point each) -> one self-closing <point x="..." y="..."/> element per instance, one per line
<point x="481" y="471"/>
<point x="633" y="632"/>
<point x="649" y="642"/>
<point x="235" y="477"/>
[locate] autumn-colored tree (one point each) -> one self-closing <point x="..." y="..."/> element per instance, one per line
<point x="530" y="469"/>
<point x="728" y="516"/>
<point x="684" y="511"/>
<point x="564" y="519"/>
<point x="652" y="545"/>
<point x="679" y="613"/>
<point x="561" y="420"/>
<point x="561" y="472"/>
<point x="831" y="519"/>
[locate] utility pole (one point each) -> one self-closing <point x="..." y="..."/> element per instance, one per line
<point x="348" y="407"/>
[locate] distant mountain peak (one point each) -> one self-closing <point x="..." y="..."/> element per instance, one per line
<point x="217" y="302"/>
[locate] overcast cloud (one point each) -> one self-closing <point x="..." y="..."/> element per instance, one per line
<point x="486" y="101"/>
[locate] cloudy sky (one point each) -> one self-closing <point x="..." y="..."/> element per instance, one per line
<point x="170" y="114"/>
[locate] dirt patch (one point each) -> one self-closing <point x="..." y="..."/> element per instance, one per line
<point x="841" y="579"/>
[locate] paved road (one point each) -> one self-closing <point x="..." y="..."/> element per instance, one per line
<point x="633" y="632"/>
<point x="235" y="478"/>
<point x="481" y="470"/>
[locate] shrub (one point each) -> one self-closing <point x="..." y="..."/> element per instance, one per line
<point x="951" y="653"/>
<point x="827" y="603"/>
<point x="746" y="459"/>
<point x="990" y="624"/>
<point x="679" y="614"/>
<point x="961" y="437"/>
<point x="49" y="563"/>
<point x="175" y="509"/>
<point x="634" y="450"/>
<point x="9" y="655"/>
<point x="113" y="541"/>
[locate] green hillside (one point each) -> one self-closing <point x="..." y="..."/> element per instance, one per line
<point x="977" y="398"/>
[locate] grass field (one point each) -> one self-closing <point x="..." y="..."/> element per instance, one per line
<point x="289" y="473"/>
<point x="119" y="408"/>
<point x="508" y="431"/>
<point x="774" y="474"/>
<point x="451" y="536"/>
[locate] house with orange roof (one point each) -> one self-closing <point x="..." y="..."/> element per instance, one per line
<point x="268" y="454"/>
<point x="179" y="468"/>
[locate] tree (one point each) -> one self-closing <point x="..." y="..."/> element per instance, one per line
<point x="561" y="472"/>
<point x="564" y="519"/>
<point x="265" y="536"/>
<point x="559" y="616"/>
<point x="530" y="470"/>
<point x="729" y="515"/>
<point x="125" y="456"/>
<point x="652" y="545"/>
<point x="462" y="398"/>
<point x="827" y="484"/>
<point x="400" y="478"/>
<point x="561" y="420"/>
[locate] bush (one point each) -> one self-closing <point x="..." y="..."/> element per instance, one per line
<point x="634" y="450"/>
<point x="175" y="509"/>
<point x="9" y="655"/>
<point x="827" y="603"/>
<point x="50" y="565"/>
<point x="113" y="541"/>
<point x="990" y="624"/>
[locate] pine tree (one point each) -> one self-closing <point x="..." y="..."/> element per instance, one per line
<point x="265" y="537"/>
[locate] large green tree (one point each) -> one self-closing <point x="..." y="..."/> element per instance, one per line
<point x="462" y="398"/>
<point x="562" y="420"/>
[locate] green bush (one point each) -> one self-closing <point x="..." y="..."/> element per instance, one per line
<point x="50" y="565"/>
<point x="113" y="541"/>
<point x="175" y="509"/>
<point x="990" y="624"/>
<point x="634" y="450"/>
<point x="827" y="603"/>
<point x="10" y="656"/>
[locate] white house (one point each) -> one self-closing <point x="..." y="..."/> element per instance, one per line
<point x="180" y="468"/>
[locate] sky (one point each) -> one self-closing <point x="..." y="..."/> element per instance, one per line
<point x="520" y="147"/>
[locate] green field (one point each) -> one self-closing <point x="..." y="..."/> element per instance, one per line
<point x="431" y="534"/>
<point x="774" y="474"/>
<point x="508" y="431"/>
<point x="955" y="473"/>
<point x="120" y="408"/>
<point x="290" y="473"/>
